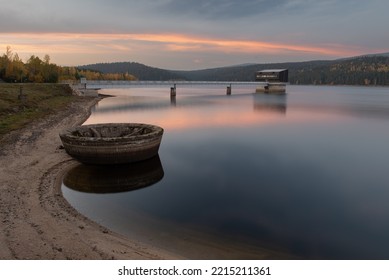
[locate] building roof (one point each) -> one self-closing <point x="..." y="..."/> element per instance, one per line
<point x="272" y="70"/>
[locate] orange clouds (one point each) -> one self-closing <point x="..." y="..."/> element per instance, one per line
<point x="184" y="42"/>
<point x="117" y="47"/>
<point x="171" y="41"/>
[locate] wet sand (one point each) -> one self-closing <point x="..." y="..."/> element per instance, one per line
<point x="36" y="221"/>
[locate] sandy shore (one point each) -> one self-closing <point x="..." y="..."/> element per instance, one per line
<point x="36" y="221"/>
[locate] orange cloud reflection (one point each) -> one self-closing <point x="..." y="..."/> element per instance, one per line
<point x="187" y="117"/>
<point x="183" y="119"/>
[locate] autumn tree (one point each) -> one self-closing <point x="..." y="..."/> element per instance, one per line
<point x="68" y="73"/>
<point x="34" y="67"/>
<point x="5" y="60"/>
<point x="12" y="68"/>
<point x="50" y="72"/>
<point x="16" y="71"/>
<point x="40" y="71"/>
<point x="3" y="66"/>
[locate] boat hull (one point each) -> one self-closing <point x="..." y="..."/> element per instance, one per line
<point x="112" y="143"/>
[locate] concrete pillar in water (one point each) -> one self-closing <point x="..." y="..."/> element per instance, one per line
<point x="229" y="90"/>
<point x="173" y="90"/>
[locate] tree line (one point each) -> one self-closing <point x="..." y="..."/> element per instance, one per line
<point x="13" y="69"/>
<point x="364" y="70"/>
<point x="37" y="70"/>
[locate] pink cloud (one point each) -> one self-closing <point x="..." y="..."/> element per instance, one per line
<point x="110" y="45"/>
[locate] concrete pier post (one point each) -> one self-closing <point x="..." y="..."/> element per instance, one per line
<point x="266" y="88"/>
<point x="173" y="90"/>
<point x="229" y="90"/>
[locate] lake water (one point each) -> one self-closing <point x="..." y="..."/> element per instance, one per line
<point x="304" y="174"/>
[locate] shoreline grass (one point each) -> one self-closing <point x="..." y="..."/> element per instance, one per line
<point x="40" y="100"/>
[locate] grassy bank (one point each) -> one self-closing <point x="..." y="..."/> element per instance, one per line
<point x="38" y="101"/>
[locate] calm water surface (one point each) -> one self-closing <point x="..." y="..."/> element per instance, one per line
<point x="306" y="173"/>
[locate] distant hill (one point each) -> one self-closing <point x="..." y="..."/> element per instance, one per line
<point x="362" y="70"/>
<point x="245" y="73"/>
<point x="377" y="54"/>
<point x="141" y="71"/>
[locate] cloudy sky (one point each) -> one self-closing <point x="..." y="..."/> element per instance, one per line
<point x="183" y="34"/>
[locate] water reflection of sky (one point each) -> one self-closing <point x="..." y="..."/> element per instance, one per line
<point x="306" y="172"/>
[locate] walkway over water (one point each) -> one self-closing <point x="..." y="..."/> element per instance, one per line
<point x="92" y="84"/>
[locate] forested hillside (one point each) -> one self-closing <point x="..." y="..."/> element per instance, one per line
<point x="36" y="70"/>
<point x="247" y="73"/>
<point x="367" y="70"/>
<point x="141" y="71"/>
<point x="364" y="70"/>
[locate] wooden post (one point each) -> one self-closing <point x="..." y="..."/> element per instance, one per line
<point x="22" y="97"/>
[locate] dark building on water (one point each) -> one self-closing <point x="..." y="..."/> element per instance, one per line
<point x="272" y="76"/>
<point x="272" y="80"/>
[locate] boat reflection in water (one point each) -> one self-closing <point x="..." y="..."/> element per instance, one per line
<point x="114" y="178"/>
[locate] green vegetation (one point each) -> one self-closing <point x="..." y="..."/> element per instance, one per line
<point x="95" y="75"/>
<point x="356" y="71"/>
<point x="36" y="70"/>
<point x="37" y="101"/>
<point x="12" y="69"/>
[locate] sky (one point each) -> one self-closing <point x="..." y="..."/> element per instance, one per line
<point x="188" y="35"/>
